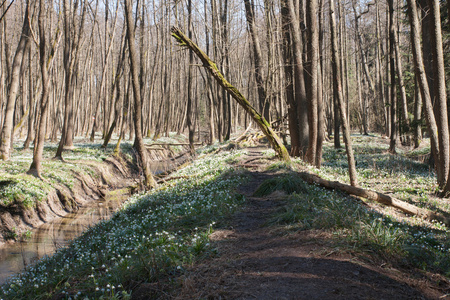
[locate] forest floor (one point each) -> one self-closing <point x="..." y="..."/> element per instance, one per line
<point x="257" y="260"/>
<point x="236" y="223"/>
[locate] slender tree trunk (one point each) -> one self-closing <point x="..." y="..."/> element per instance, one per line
<point x="440" y="93"/>
<point x="139" y="142"/>
<point x="422" y="78"/>
<point x="313" y="55"/>
<point x="189" y="111"/>
<point x="35" y="167"/>
<point x="338" y="90"/>
<point x="8" y="124"/>
<point x="417" y="114"/>
<point x="393" y="140"/>
<point x="257" y="57"/>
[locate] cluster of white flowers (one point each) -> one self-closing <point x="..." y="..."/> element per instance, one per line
<point x="162" y="229"/>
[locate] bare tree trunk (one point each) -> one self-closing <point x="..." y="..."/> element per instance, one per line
<point x="35" y="167"/>
<point x="274" y="140"/>
<point x="139" y="142"/>
<point x="301" y="100"/>
<point x="422" y="78"/>
<point x="264" y="106"/>
<point x="7" y="130"/>
<point x="417" y="114"/>
<point x="189" y="111"/>
<point x="338" y="92"/>
<point x="393" y="141"/>
<point x="440" y="94"/>
<point x="298" y="147"/>
<point x="313" y="56"/>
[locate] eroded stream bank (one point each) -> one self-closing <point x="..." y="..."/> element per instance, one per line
<point x="57" y="233"/>
<point x="66" y="213"/>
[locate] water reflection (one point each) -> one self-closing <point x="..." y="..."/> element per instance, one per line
<point x="57" y="233"/>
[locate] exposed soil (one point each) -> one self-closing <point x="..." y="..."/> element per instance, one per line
<point x="256" y="261"/>
<point x="112" y="174"/>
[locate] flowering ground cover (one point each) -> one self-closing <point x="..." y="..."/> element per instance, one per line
<point x="25" y="190"/>
<point x="155" y="235"/>
<point x="164" y="237"/>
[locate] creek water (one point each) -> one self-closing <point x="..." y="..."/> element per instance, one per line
<point x="57" y="233"/>
<point x="50" y="236"/>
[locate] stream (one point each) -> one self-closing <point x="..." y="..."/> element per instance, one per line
<point x="55" y="234"/>
<point x="44" y="240"/>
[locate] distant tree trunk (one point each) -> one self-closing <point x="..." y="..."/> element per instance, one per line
<point x="189" y="112"/>
<point x="264" y="106"/>
<point x="417" y="114"/>
<point x="313" y="56"/>
<point x="8" y="126"/>
<point x="274" y="140"/>
<point x="35" y="167"/>
<point x="338" y="91"/>
<point x="72" y="38"/>
<point x="393" y="141"/>
<point x="139" y="142"/>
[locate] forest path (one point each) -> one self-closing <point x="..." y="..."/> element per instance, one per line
<point x="256" y="261"/>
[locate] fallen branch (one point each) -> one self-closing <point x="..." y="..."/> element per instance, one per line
<point x="242" y="137"/>
<point x="376" y="196"/>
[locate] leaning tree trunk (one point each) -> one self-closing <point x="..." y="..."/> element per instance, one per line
<point x="139" y="141"/>
<point x="340" y="100"/>
<point x="274" y="140"/>
<point x="422" y="78"/>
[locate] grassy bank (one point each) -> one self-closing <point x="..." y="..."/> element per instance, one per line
<point x="25" y="191"/>
<point x="157" y="236"/>
<point x="369" y="227"/>
<point x="154" y="236"/>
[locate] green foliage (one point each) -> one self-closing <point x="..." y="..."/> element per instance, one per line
<point x="151" y="239"/>
<point x="287" y="183"/>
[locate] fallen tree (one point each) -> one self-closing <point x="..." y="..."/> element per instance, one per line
<point x="376" y="196"/>
<point x="273" y="138"/>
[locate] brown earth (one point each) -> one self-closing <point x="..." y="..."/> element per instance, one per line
<point x="255" y="261"/>
<point x="112" y="174"/>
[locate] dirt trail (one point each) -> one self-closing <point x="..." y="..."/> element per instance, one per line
<point x="256" y="262"/>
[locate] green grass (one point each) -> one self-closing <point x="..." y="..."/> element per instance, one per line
<point x="26" y="191"/>
<point x="402" y="241"/>
<point x="153" y="238"/>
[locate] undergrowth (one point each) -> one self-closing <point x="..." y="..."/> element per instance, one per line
<point x="357" y="227"/>
<point x="155" y="236"/>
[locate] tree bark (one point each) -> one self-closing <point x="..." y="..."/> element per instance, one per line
<point x="393" y="140"/>
<point x="274" y="140"/>
<point x="422" y="78"/>
<point x="264" y="106"/>
<point x="340" y="100"/>
<point x="7" y="130"/>
<point x="35" y="168"/>
<point x="149" y="181"/>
